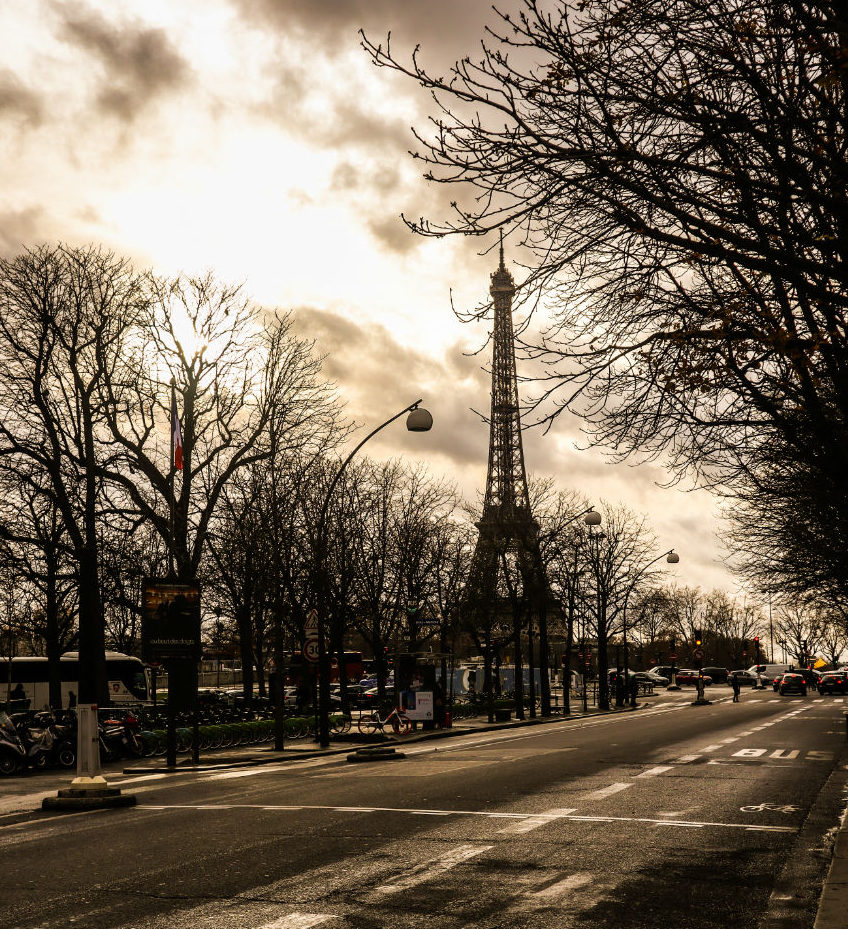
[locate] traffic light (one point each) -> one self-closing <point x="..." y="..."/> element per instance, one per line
<point x="673" y="643"/>
<point x="698" y="638"/>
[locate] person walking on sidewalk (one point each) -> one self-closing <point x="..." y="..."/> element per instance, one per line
<point x="734" y="683"/>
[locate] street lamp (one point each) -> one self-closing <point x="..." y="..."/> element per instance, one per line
<point x="590" y="518"/>
<point x="417" y="420"/>
<point x="671" y="557"/>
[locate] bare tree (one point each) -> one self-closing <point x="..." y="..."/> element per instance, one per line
<point x="678" y="172"/>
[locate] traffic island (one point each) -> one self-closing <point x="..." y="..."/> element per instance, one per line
<point x="375" y="753"/>
<point x="87" y="793"/>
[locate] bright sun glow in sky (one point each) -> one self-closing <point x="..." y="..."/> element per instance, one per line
<point x="255" y="139"/>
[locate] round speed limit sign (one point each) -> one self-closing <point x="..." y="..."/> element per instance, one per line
<point x="310" y="648"/>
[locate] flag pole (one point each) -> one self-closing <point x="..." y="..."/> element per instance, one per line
<point x="172" y="471"/>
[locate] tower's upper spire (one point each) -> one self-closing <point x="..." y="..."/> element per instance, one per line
<point x="502" y="281"/>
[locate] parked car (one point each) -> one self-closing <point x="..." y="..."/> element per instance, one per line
<point x="719" y="675"/>
<point x="832" y="682"/>
<point x="651" y="677"/>
<point x="690" y="676"/>
<point x="792" y="682"/>
<point x="745" y="678"/>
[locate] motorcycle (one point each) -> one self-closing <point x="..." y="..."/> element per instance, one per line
<point x="118" y="736"/>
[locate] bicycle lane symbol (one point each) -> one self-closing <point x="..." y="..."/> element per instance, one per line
<point x="770" y="808"/>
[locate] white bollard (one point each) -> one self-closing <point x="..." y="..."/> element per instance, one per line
<point x="88" y="742"/>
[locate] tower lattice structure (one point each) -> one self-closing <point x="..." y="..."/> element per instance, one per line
<point x="507" y="527"/>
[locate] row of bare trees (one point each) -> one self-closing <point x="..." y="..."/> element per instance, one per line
<point x="90" y="351"/>
<point x="90" y="502"/>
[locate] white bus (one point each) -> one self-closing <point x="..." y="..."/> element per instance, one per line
<point x="25" y="682"/>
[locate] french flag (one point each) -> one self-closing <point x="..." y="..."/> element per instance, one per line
<point x="176" y="433"/>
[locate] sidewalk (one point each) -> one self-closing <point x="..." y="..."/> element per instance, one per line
<point x="296" y="749"/>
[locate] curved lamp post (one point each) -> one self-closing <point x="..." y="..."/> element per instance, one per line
<point x="417" y="420"/>
<point x="671" y="557"/>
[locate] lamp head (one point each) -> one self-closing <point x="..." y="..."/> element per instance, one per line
<point x="419" y="420"/>
<point x="672" y="558"/>
<point x="592" y="518"/>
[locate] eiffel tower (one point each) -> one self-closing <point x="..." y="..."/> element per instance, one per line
<point x="507" y="525"/>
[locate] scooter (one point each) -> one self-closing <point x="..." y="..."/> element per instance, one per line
<point x="13" y="755"/>
<point x="39" y="739"/>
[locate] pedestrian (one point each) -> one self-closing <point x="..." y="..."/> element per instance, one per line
<point x="734" y="683"/>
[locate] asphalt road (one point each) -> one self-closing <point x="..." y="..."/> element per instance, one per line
<point x="673" y="815"/>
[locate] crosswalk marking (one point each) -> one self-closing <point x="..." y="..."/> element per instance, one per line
<point x="429" y="869"/>
<point x="533" y="822"/>
<point x="572" y="882"/>
<point x="653" y="772"/>
<point x="298" y="921"/>
<point x="606" y="791"/>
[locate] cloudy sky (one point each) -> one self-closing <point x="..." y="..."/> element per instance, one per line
<point x="255" y="138"/>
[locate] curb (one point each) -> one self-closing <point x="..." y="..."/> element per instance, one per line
<point x="834" y="896"/>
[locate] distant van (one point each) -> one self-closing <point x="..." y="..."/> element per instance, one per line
<point x="770" y="671"/>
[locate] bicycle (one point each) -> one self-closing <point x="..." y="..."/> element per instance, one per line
<point x="371" y="724"/>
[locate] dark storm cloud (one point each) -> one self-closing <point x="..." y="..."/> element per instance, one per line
<point x="380" y="375"/>
<point x="20" y="228"/>
<point x="18" y="101"/>
<point x="140" y="64"/>
<point x="447" y="28"/>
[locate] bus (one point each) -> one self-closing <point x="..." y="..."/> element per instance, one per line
<point x="25" y="681"/>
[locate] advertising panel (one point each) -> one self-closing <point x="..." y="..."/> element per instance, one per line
<point x="170" y="621"/>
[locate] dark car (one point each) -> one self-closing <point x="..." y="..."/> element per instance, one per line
<point x="792" y="682"/>
<point x="745" y="678"/>
<point x="719" y="675"/>
<point x="688" y="676"/>
<point x="811" y="678"/>
<point x="832" y="682"/>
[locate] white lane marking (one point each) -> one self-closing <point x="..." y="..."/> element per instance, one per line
<point x="734" y="738"/>
<point x="571" y="817"/>
<point x="430" y="869"/>
<point x="533" y="822"/>
<point x="687" y="759"/>
<point x="711" y="748"/>
<point x="820" y="700"/>
<point x="572" y="882"/>
<point x="245" y="772"/>
<point x="298" y="921"/>
<point x="136" y="780"/>
<point x="331" y="809"/>
<point x="659" y="769"/>
<point x="606" y="791"/>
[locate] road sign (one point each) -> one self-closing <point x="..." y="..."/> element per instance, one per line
<point x="310" y="627"/>
<point x="698" y="654"/>
<point x="310" y="648"/>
